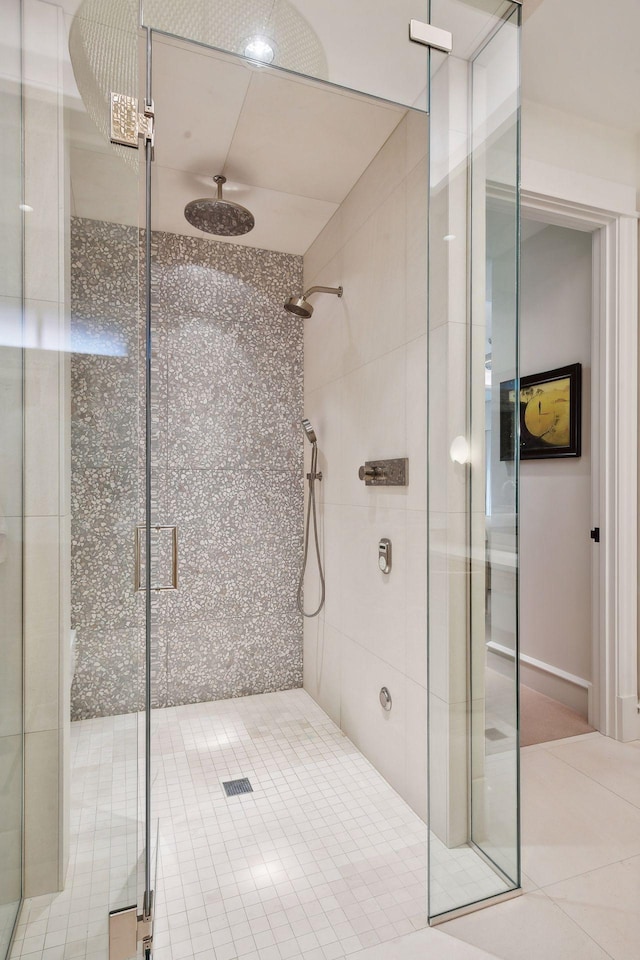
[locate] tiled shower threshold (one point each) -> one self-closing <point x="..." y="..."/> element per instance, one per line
<point x="322" y="860"/>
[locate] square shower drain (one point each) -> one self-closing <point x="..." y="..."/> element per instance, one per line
<point x="233" y="787"/>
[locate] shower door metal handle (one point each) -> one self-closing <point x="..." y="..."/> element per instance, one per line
<point x="139" y="537"/>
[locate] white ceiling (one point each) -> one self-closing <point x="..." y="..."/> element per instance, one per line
<point x="582" y="56"/>
<point x="291" y="149"/>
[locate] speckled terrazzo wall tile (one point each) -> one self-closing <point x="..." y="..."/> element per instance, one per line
<point x="109" y="676"/>
<point x="231" y="658"/>
<point x="227" y="465"/>
<point x="240" y="542"/>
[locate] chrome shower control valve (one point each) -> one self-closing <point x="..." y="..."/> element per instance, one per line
<point x="370" y="471"/>
<point x="385" y="473"/>
<point x="384" y="555"/>
<point x="385" y="699"/>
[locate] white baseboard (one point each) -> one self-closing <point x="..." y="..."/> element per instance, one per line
<point x="627" y="718"/>
<point x="544" y="677"/>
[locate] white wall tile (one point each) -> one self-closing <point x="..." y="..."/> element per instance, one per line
<point x="417" y="267"/>
<point x="329" y="527"/>
<point x="42" y="432"/>
<point x="416" y="597"/>
<point x="373" y="603"/>
<point x="11" y="398"/>
<point x="448" y="771"/>
<point x="42" y="180"/>
<point x="385" y="732"/>
<point x="360" y="380"/>
<point x="447" y="366"/>
<point x="417" y="126"/>
<point x="378" y="733"/>
<point x="11" y="627"/>
<point x="324" y="248"/>
<point x="41" y="812"/>
<point x="322" y="655"/>
<point x="324" y="408"/>
<point x="416" y="422"/>
<point x="378" y="181"/>
<point x="325" y="332"/>
<point x="41" y="622"/>
<point x="41" y="22"/>
<point x="415" y="791"/>
<point x="373" y="265"/>
<point x="374" y="427"/>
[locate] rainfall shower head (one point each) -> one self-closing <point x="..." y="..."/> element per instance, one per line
<point x="218" y="216"/>
<point x="309" y="431"/>
<point x="299" y="306"/>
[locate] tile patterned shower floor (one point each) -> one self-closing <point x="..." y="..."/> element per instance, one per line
<point x="322" y="860"/>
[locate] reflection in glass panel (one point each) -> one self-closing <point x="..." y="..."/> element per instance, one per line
<point x="473" y="788"/>
<point x="311" y="38"/>
<point x="11" y="463"/>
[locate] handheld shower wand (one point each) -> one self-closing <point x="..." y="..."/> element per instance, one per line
<point x="312" y="476"/>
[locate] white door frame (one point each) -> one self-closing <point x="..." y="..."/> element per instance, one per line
<point x="614" y="701"/>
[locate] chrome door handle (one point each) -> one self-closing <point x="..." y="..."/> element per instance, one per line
<point x="139" y="537"/>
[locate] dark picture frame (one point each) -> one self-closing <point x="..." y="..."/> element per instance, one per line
<point x="550" y="413"/>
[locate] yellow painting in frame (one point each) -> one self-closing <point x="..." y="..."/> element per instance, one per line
<point x="549" y="414"/>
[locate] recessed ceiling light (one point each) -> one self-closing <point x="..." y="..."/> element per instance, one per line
<point x="449" y="237"/>
<point x="25" y="208"/>
<point x="259" y="48"/>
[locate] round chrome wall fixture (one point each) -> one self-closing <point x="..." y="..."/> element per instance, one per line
<point x="385" y="699"/>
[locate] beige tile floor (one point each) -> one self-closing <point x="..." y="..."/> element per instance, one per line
<point x="581" y="855"/>
<point x="581" y="840"/>
<point x="321" y="860"/>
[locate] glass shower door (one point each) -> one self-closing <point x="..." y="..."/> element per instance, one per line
<point x="11" y="474"/>
<point x="473" y="766"/>
<point x="110" y="693"/>
<point x="473" y="460"/>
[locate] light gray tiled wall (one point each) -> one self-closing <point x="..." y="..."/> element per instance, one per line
<point x="366" y="395"/>
<point x="227" y="468"/>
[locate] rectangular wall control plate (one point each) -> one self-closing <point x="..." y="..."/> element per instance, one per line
<point x="391" y="473"/>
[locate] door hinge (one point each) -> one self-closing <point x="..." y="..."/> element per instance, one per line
<point x="128" y="126"/>
<point x="128" y="928"/>
<point x="595" y="534"/>
<point x="430" y="36"/>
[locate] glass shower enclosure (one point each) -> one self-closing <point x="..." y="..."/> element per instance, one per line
<point x="134" y="503"/>
<point x="472" y="98"/>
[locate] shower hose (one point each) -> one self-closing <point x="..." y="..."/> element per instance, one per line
<point x="311" y="514"/>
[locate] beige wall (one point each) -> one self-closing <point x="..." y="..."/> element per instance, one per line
<point x="580" y="161"/>
<point x="585" y="148"/>
<point x="555" y="495"/>
<point x="365" y="394"/>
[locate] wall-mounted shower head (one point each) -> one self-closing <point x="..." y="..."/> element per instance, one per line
<point x="220" y="217"/>
<point x="299" y="306"/>
<point x="309" y="431"/>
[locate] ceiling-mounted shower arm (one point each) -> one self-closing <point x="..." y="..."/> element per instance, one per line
<point x="337" y="291"/>
<point x="219" y="180"/>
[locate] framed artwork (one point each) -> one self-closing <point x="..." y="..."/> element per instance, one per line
<point x="550" y="408"/>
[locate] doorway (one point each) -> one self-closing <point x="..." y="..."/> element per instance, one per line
<point x="556" y="499"/>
